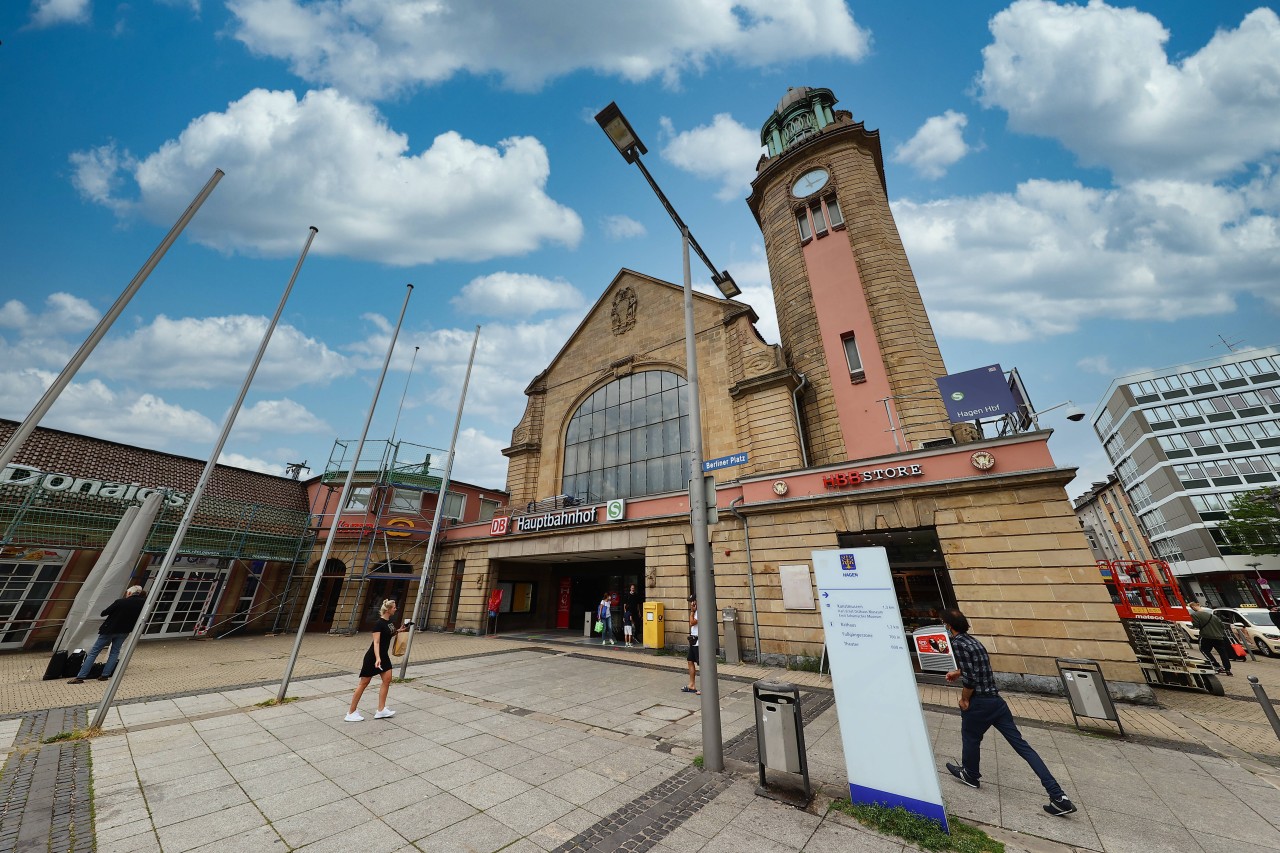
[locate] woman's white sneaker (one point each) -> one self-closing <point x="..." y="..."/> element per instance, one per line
<point x="354" y="717"/>
<point x="384" y="713"/>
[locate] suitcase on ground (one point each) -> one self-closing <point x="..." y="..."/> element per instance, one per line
<point x="75" y="660"/>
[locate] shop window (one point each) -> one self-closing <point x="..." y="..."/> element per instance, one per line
<point x="629" y="438"/>
<point x="517" y="596"/>
<point x="852" y="357"/>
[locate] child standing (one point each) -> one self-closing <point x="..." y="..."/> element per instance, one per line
<point x="628" y="624"/>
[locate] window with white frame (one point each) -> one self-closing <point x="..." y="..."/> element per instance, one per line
<point x="821" y="217"/>
<point x="454" y="503"/>
<point x="851" y="356"/>
<point x="405" y="500"/>
<point x="488" y="508"/>
<point x="358" y="499"/>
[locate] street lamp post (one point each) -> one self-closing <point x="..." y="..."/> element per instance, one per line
<point x="620" y="133"/>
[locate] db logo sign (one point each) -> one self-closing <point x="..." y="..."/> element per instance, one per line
<point x="498" y="527"/>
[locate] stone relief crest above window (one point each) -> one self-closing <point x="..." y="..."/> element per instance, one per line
<point x="624" y="311"/>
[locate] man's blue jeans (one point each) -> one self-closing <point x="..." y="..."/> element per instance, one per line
<point x="116" y="641"/>
<point x="987" y="712"/>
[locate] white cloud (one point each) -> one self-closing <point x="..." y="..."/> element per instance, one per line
<point x="509" y="294"/>
<point x="1044" y="259"/>
<point x="723" y="151"/>
<point x="376" y="48"/>
<point x="622" y="227"/>
<point x="1098" y="79"/>
<point x="93" y="408"/>
<point x="936" y="146"/>
<point x="49" y="13"/>
<point x="250" y="463"/>
<point x="482" y="463"/>
<point x="332" y="162"/>
<point x="282" y="415"/>
<point x="1098" y="364"/>
<point x="204" y="352"/>
<point x="14" y="315"/>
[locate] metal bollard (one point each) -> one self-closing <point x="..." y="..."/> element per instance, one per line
<point x="1267" y="707"/>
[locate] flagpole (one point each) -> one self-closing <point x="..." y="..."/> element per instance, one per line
<point x="342" y="502"/>
<point x="192" y="502"/>
<point x="51" y="394"/>
<point x="435" y="522"/>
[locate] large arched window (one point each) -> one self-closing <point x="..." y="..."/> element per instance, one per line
<point x="629" y="438"/>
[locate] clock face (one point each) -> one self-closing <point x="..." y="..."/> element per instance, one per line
<point x="809" y="183"/>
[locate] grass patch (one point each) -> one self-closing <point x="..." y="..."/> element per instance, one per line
<point x="74" y="734"/>
<point x="698" y="761"/>
<point x="805" y="663"/>
<point x="922" y="832"/>
<point x="271" y="703"/>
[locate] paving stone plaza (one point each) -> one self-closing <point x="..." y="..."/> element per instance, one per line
<point x="507" y="745"/>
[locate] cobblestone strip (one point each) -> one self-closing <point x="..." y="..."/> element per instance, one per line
<point x="46" y="788"/>
<point x="649" y="818"/>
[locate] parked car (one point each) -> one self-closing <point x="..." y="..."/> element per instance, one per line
<point x="1260" y="627"/>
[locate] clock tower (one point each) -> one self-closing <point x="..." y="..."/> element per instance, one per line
<point x="849" y="312"/>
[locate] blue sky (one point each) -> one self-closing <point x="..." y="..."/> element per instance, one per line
<point x="1083" y="191"/>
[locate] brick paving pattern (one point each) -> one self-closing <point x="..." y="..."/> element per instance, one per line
<point x="46" y="787"/>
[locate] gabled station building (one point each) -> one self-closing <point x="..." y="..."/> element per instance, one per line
<point x="837" y="438"/>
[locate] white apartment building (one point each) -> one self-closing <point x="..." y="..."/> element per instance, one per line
<point x="1185" y="440"/>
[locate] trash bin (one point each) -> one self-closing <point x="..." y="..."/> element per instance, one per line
<point x="779" y="731"/>
<point x="587" y="624"/>
<point x="1086" y="689"/>
<point x="655" y="625"/>
<point x="732" y="654"/>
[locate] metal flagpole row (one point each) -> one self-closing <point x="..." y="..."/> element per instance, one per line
<point x="41" y="408"/>
<point x="435" y="522"/>
<point x="342" y="502"/>
<point x="194" y="501"/>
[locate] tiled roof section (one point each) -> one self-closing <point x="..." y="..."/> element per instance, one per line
<point x="55" y="451"/>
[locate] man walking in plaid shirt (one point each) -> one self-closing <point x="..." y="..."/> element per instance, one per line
<point x="981" y="708"/>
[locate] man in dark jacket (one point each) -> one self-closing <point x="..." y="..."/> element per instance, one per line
<point x="122" y="614"/>
<point x="1213" y="635"/>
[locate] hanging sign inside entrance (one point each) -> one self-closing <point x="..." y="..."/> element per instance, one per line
<point x="886" y="745"/>
<point x="566" y="595"/>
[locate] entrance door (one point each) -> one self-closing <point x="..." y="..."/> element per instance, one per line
<point x="455" y="595"/>
<point x="330" y="593"/>
<point x="24" y="592"/>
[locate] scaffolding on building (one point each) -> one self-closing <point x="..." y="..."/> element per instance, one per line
<point x="37" y="517"/>
<point x="384" y="473"/>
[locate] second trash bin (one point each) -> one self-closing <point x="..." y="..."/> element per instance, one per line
<point x="779" y="731"/>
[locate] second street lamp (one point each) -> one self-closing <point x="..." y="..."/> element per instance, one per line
<point x="619" y="131"/>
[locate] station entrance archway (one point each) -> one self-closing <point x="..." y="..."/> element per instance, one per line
<point x="553" y="592"/>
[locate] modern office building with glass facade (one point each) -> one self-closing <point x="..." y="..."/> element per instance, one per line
<point x="1185" y="441"/>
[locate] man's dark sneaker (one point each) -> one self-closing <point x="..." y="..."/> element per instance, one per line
<point x="1228" y="672"/>
<point x="959" y="772"/>
<point x="1061" y="807"/>
<point x="76" y="681"/>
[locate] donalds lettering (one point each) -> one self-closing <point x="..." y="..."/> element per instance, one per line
<point x="28" y="475"/>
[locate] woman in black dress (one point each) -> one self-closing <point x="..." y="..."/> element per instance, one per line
<point x="377" y="661"/>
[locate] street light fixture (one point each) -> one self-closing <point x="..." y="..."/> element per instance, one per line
<point x="621" y="134"/>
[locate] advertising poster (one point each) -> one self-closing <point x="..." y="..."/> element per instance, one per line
<point x="886" y="746"/>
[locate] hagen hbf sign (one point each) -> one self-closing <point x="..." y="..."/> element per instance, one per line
<point x="847" y="479"/>
<point x="615" y="510"/>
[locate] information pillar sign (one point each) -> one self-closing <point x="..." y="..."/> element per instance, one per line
<point x="886" y="745"/>
<point x="566" y="595"/>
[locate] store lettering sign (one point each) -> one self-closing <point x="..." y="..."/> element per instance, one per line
<point x="847" y="479"/>
<point x="404" y="527"/>
<point x="28" y="475"/>
<point x="543" y="521"/>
